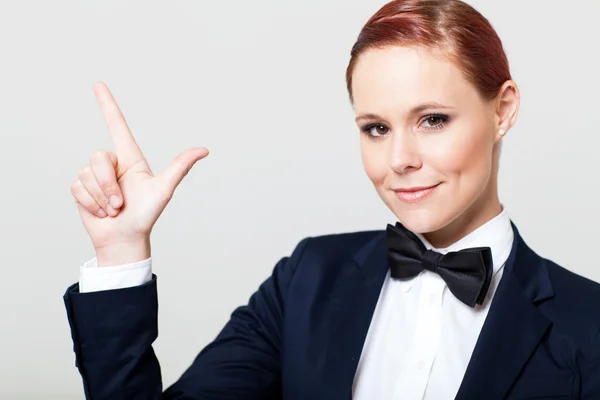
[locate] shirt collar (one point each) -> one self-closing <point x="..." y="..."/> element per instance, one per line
<point x="497" y="234"/>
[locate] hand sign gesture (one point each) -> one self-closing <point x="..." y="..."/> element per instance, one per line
<point x="118" y="197"/>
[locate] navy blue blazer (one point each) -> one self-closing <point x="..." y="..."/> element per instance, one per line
<point x="301" y="334"/>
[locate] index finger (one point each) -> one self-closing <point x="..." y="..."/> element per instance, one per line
<point x="125" y="145"/>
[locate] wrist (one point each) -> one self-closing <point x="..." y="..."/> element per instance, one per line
<point x="123" y="253"/>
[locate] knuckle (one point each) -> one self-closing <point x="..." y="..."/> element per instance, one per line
<point x="99" y="154"/>
<point x="75" y="187"/>
<point x="85" y="172"/>
<point x="166" y="197"/>
<point x="182" y="166"/>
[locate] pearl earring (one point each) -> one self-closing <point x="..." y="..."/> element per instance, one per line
<point x="501" y="132"/>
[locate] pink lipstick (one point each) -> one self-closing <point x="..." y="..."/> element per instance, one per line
<point x="414" y="194"/>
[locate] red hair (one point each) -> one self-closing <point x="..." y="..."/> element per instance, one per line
<point x="449" y="28"/>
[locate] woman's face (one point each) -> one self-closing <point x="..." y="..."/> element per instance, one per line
<point x="423" y="125"/>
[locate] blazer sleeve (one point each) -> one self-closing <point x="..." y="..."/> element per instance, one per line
<point x="113" y="332"/>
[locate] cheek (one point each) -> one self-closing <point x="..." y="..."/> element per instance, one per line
<point x="374" y="160"/>
<point x="467" y="156"/>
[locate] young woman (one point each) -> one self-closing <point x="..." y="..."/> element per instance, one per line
<point x="449" y="303"/>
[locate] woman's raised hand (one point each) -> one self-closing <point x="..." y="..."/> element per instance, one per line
<point x="118" y="197"/>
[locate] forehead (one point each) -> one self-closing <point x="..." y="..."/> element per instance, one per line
<point x="400" y="77"/>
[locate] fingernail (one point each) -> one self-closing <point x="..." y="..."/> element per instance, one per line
<point x="111" y="210"/>
<point x="114" y="201"/>
<point x="101" y="213"/>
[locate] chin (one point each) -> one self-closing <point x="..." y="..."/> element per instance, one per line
<point x="421" y="218"/>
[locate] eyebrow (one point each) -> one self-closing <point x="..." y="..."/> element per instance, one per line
<point x="415" y="110"/>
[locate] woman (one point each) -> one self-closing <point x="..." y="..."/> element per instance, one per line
<point x="450" y="303"/>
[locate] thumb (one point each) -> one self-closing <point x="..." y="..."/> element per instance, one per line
<point x="181" y="165"/>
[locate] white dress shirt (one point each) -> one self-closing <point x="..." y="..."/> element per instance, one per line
<point x="421" y="337"/>
<point x="93" y="279"/>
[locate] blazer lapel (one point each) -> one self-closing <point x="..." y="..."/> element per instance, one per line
<point x="353" y="300"/>
<point x="513" y="328"/>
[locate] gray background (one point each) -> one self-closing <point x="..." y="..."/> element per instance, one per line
<point x="261" y="85"/>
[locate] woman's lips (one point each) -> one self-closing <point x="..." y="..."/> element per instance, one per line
<point x="413" y="195"/>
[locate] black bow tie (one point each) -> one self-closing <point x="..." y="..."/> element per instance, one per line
<point x="467" y="272"/>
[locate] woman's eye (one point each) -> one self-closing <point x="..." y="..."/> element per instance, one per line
<point x="435" y="121"/>
<point x="430" y="122"/>
<point x="377" y="130"/>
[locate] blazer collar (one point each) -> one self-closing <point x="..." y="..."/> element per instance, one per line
<point x="529" y="270"/>
<point x="498" y="353"/>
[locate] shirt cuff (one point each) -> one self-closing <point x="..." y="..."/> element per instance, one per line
<point x="93" y="278"/>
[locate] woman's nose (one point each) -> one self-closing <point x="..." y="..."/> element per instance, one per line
<point x="405" y="153"/>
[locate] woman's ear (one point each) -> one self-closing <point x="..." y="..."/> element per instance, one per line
<point x="508" y="101"/>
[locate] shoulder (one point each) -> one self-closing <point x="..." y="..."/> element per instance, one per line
<point x="575" y="306"/>
<point x="572" y="287"/>
<point x="331" y="252"/>
<point x="340" y="246"/>
<point x="346" y="240"/>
